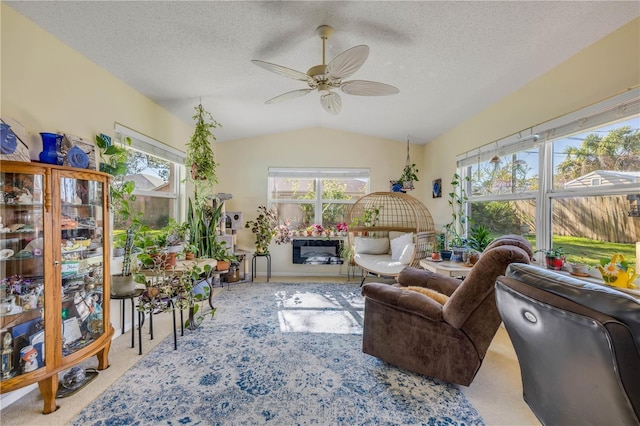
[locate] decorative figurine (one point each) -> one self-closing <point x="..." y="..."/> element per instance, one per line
<point x="29" y="356"/>
<point x="7" y="356"/>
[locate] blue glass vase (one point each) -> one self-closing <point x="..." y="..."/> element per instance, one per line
<point x="51" y="149"/>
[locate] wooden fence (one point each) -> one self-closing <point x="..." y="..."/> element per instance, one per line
<point x="597" y="218"/>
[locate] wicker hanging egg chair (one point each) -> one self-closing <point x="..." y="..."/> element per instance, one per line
<point x="379" y="213"/>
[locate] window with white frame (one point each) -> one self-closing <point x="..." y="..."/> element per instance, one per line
<point x="158" y="172"/>
<point x="573" y="182"/>
<point x="321" y="196"/>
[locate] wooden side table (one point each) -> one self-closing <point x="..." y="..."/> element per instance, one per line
<point x="446" y="267"/>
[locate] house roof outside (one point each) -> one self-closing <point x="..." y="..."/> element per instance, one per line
<point x="604" y="177"/>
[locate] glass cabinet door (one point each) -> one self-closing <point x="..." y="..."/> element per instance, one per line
<point x="82" y="262"/>
<point x="21" y="273"/>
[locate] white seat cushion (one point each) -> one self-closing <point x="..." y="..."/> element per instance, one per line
<point x="379" y="263"/>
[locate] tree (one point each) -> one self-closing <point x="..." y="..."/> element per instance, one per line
<point x="618" y="150"/>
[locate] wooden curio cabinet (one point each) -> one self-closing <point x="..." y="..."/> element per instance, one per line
<point x="54" y="273"/>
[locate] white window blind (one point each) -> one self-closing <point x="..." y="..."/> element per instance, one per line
<point x="149" y="145"/>
<point x="610" y="110"/>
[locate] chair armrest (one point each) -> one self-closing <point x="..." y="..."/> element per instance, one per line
<point x="422" y="278"/>
<point x="404" y="300"/>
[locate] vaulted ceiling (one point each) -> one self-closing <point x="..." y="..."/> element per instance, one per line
<point x="450" y="60"/>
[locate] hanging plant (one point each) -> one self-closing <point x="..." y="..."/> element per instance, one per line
<point x="200" y="159"/>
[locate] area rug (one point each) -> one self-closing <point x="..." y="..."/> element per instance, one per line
<point x="281" y="354"/>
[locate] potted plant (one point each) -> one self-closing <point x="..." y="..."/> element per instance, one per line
<point x="189" y="251"/>
<point x="203" y="224"/>
<point x="185" y="295"/>
<point x="176" y="235"/>
<point x="346" y="253"/>
<point x="200" y="158"/>
<point x="409" y="175"/>
<point x="118" y="244"/>
<point x="223" y="256"/>
<point x="554" y="258"/>
<point x="455" y="229"/>
<point x="445" y="253"/>
<point x="479" y="238"/>
<point x="264" y="228"/>
<point x="114" y="161"/>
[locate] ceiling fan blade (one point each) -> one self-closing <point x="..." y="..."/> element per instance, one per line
<point x="331" y="102"/>
<point x="348" y="62"/>
<point x="279" y="69"/>
<point x="289" y="95"/>
<point x="368" y="88"/>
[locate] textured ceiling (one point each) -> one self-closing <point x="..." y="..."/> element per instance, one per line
<point x="450" y="60"/>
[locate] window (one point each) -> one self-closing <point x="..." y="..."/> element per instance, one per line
<point x="572" y="183"/>
<point x="157" y="171"/>
<point x="315" y="196"/>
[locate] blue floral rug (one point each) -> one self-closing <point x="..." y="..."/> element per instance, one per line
<point x="281" y="354"/>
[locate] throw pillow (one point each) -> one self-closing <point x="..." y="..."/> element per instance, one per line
<point x="438" y="297"/>
<point x="398" y="245"/>
<point x="371" y="245"/>
<point x="395" y="234"/>
<point x="407" y="254"/>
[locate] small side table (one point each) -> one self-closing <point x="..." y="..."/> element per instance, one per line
<point x="124" y="298"/>
<point x="267" y="256"/>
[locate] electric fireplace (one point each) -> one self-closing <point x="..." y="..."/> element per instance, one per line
<point x="317" y="252"/>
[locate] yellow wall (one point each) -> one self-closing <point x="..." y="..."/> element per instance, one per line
<point x="245" y="162"/>
<point x="49" y="87"/>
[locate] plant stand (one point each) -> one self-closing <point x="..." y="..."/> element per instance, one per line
<point x="256" y="255"/>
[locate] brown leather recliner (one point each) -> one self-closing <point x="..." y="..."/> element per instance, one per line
<point x="412" y="331"/>
<point x="578" y="345"/>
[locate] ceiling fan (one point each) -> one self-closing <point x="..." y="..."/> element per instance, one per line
<point x="327" y="77"/>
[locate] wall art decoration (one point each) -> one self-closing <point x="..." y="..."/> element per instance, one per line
<point x="437" y="188"/>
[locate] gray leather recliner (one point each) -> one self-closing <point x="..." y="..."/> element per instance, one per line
<point x="578" y="345"/>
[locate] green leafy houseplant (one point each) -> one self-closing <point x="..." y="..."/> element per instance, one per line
<point x="171" y="289"/>
<point x="114" y="161"/>
<point x="409" y="175"/>
<point x="554" y="257"/>
<point x="264" y="228"/>
<point x="176" y="233"/>
<point x="200" y="157"/>
<point x="202" y="221"/>
<point x="369" y="217"/>
<point x="457" y="198"/>
<point x="222" y="254"/>
<point x="479" y="238"/>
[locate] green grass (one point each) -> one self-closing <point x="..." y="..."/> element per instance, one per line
<point x="585" y="250"/>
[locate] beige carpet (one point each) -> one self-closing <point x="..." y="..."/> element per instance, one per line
<point x="496" y="391"/>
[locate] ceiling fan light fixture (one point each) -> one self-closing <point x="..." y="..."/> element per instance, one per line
<point x="495" y="160"/>
<point x="331" y="102"/>
<point x="328" y="76"/>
